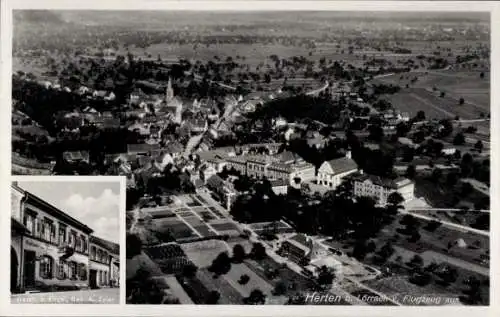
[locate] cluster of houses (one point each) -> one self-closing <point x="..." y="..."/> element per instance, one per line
<point x="82" y="90"/>
<point x="152" y="113"/>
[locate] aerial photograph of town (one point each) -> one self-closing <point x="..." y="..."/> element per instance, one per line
<point x="272" y="157"/>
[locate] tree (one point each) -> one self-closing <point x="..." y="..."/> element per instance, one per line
<point x="415" y="236"/>
<point x="280" y="288"/>
<point x="479" y="146"/>
<point x="360" y="250"/>
<point x="448" y="275"/>
<point x="461" y="101"/>
<point x="431" y="267"/>
<point x="446" y="128"/>
<point x="436" y="175"/>
<point x="410" y="172"/>
<point x="142" y="289"/>
<point x="481" y="75"/>
<point x="408" y="154"/>
<point x="244" y="279"/>
<point x="420" y="278"/>
<point x="189" y="270"/>
<point x="482" y="222"/>
<point x="442" y="94"/>
<point x="432" y="225"/>
<point x="134" y="246"/>
<point x="297" y="299"/>
<point x="221" y="264"/>
<point x="395" y="199"/>
<point x="451" y="179"/>
<point x="238" y="253"/>
<point x="466" y="189"/>
<point x="416" y="261"/>
<point x="212" y="298"/>
<point x="325" y="276"/>
<point x="420" y="116"/>
<point x="376" y="132"/>
<point x="258" y="251"/>
<point x="386" y="251"/>
<point x="473" y="293"/>
<point x="256" y="297"/>
<point x="459" y="139"/>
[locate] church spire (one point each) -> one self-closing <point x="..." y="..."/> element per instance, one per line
<point x="169" y="93"/>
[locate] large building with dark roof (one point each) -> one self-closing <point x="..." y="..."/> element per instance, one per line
<point x="49" y="248"/>
<point x="285" y="166"/>
<point x="380" y="188"/>
<point x="331" y="173"/>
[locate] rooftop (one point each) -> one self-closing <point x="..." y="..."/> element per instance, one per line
<point x="342" y="165"/>
<point x="51" y="209"/>
<point x="76" y="155"/>
<point x="142" y="147"/>
<point x="384" y="182"/>
<point x="108" y="245"/>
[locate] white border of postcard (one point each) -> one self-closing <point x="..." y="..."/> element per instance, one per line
<point x="234" y="310"/>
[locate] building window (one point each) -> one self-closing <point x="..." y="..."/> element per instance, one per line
<point x="61" y="270"/>
<point x="46" y="267"/>
<point x="92" y="253"/>
<point x="46" y="229"/>
<point x="62" y="234"/>
<point x="72" y="270"/>
<point x="72" y="238"/>
<point x="39" y="228"/>
<point x="29" y="222"/>
<point x="78" y="243"/>
<point x="53" y="238"/>
<point x="82" y="271"/>
<point x="84" y="243"/>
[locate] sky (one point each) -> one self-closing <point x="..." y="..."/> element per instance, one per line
<point x="96" y="204"/>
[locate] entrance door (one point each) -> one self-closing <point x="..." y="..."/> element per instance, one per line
<point x="29" y="269"/>
<point x="14" y="267"/>
<point x="93" y="279"/>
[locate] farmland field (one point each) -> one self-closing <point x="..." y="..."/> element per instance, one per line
<point x="413" y="100"/>
<point x="228" y="295"/>
<point x="204" y="252"/>
<point x="399" y="287"/>
<point x="177" y="228"/>
<point x="224" y="226"/>
<point x="255" y="281"/>
<point x="455" y="84"/>
<point x="204" y="230"/>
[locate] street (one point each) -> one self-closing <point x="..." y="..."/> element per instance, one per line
<point x="97" y="296"/>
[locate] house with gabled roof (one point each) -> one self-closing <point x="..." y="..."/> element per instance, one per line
<point x="331" y="173"/>
<point x="142" y="148"/>
<point x="76" y="156"/>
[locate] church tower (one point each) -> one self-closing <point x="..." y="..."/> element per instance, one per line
<point x="169" y="93"/>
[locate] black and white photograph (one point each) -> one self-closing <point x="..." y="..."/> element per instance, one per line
<point x="270" y="157"/>
<point x="65" y="242"/>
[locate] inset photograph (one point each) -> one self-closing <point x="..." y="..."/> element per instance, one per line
<point x="65" y="242"/>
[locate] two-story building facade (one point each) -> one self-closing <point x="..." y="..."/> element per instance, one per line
<point x="49" y="247"/>
<point x="51" y="250"/>
<point x="380" y="188"/>
<point x="103" y="263"/>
